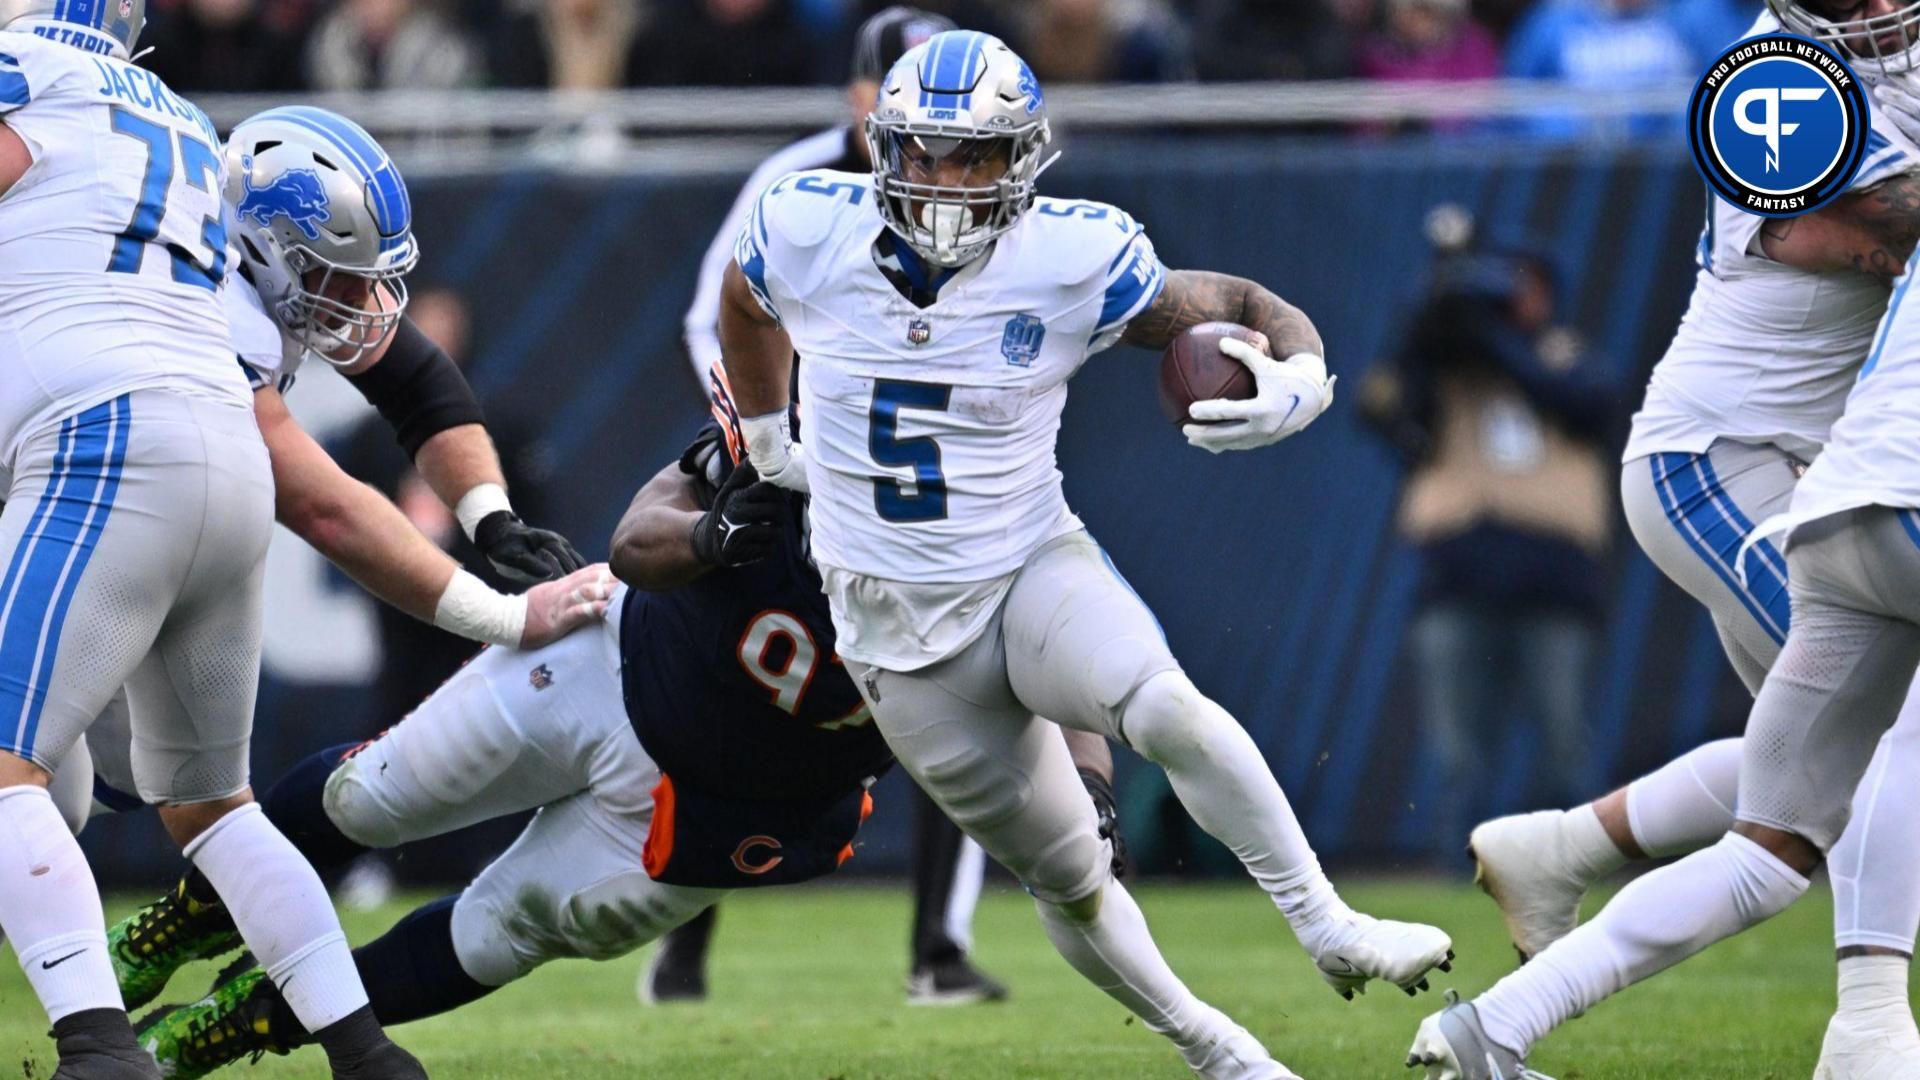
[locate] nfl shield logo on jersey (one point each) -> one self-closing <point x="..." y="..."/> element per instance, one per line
<point x="919" y="332"/>
<point x="540" y="678"/>
<point x="1021" y="342"/>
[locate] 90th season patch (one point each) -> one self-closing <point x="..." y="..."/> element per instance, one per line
<point x="1778" y="125"/>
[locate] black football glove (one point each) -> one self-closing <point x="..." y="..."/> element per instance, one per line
<point x="744" y="523"/>
<point x="523" y="554"/>
<point x="1109" y="817"/>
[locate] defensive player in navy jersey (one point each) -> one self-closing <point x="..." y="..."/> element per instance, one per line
<point x="742" y="758"/>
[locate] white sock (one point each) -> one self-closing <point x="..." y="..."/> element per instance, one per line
<point x="1590" y="853"/>
<point x="283" y="913"/>
<point x="50" y="907"/>
<point x="1876" y="879"/>
<point x="1687" y="803"/>
<point x="1224" y="783"/>
<point x="1875" y="984"/>
<point x="1115" y="952"/>
<point x="1656" y="922"/>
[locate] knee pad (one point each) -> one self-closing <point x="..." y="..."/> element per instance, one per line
<point x="1055" y="850"/>
<point x="616" y="916"/>
<point x="1168" y="719"/>
<point x="355" y="808"/>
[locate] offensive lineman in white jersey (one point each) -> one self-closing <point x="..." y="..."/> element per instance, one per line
<point x="1782" y="318"/>
<point x="138" y="506"/>
<point x="939" y="309"/>
<point x="320" y="273"/>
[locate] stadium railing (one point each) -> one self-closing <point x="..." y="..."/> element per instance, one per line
<point x="720" y="129"/>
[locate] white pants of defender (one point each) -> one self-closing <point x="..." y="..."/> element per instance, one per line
<point x="1691" y="514"/>
<point x="518" y="730"/>
<point x="134" y="537"/>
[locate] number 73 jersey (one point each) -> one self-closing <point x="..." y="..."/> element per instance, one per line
<point x="113" y="245"/>
<point x="931" y="431"/>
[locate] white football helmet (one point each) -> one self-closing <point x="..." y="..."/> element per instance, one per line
<point x="313" y="197"/>
<point x="116" y="24"/>
<point x="1879" y="45"/>
<point x="963" y="107"/>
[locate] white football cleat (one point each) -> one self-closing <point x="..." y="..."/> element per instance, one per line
<point x="1451" y="1045"/>
<point x="1366" y="948"/>
<point x="1519" y="861"/>
<point x="1878" y="1045"/>
<point x="1235" y="1055"/>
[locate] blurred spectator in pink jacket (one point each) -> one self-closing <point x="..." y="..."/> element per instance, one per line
<point x="1431" y="41"/>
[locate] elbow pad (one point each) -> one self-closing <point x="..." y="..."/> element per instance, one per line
<point x="418" y="389"/>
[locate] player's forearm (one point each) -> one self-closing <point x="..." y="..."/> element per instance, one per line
<point x="457" y="460"/>
<point x="653" y="544"/>
<point x="1873" y="232"/>
<point x="652" y="549"/>
<point x="361" y="532"/>
<point x="1192" y="297"/>
<point x="756" y="352"/>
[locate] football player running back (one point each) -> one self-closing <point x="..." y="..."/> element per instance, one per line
<point x="941" y="308"/>
<point x="138" y="509"/>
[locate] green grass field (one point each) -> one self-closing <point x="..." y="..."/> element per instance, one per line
<point x="807" y="985"/>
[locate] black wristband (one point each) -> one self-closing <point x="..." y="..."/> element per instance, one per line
<point x="418" y="389"/>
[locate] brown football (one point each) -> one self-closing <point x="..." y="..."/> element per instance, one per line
<point x="1194" y="369"/>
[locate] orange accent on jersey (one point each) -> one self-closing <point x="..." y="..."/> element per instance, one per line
<point x="866" y="811"/>
<point x="740" y="860"/>
<point x="659" y="846"/>
<point x="727" y="413"/>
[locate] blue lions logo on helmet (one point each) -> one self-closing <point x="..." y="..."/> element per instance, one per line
<point x="1030" y="86"/>
<point x="297" y="194"/>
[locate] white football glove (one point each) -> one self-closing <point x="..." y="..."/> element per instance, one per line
<point x="1289" y="395"/>
<point x="1901" y="105"/>
<point x="779" y="460"/>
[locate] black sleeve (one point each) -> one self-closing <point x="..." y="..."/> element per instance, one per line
<point x="418" y="389"/>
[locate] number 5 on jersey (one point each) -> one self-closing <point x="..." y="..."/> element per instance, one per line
<point x="928" y="502"/>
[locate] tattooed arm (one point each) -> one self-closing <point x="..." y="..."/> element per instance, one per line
<point x="1192" y="297"/>
<point x="1289" y="393"/>
<point x="1873" y="231"/>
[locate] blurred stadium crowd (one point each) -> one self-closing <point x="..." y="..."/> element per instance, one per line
<point x="203" y="46"/>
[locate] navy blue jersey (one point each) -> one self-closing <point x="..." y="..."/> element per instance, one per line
<point x="731" y="680"/>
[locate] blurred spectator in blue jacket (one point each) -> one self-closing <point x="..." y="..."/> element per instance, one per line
<point x="1602" y="46"/>
<point x="1709" y="26"/>
<point x="1101" y="41"/>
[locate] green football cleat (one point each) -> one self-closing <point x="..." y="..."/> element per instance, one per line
<point x="235" y="1021"/>
<point x="151" y="944"/>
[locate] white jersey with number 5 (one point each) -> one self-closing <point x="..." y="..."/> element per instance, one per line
<point x="930" y="431"/>
<point x="1766" y="352"/>
<point x="112" y="245"/>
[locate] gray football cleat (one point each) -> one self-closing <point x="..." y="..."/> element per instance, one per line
<point x="1452" y="1045"/>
